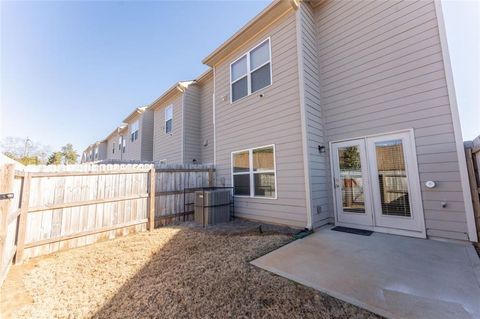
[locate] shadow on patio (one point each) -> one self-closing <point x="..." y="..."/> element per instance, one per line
<point x="395" y="276"/>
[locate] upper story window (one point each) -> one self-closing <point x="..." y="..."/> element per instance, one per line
<point x="251" y="72"/>
<point x="168" y="119"/>
<point x="113" y="148"/>
<point x="96" y="152"/>
<point x="134" y="130"/>
<point x="123" y="144"/>
<point x="254" y="172"/>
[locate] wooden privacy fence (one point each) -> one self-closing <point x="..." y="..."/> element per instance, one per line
<point x="171" y="180"/>
<point x="8" y="217"/>
<point x="472" y="154"/>
<point x="61" y="207"/>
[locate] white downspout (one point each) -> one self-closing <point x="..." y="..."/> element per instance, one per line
<point x="214" y="123"/>
<point x="183" y="127"/>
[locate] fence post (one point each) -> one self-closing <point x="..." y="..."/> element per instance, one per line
<point x="151" y="197"/>
<point x="25" y="199"/>
<point x="474" y="188"/>
<point x="7" y="172"/>
<point x="211" y="180"/>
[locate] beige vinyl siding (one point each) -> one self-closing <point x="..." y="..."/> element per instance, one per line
<point x="168" y="146"/>
<point x="113" y="140"/>
<point x="132" y="149"/>
<point x="206" y="119"/>
<point x="146" y="135"/>
<point x="191" y="130"/>
<point x="321" y="196"/>
<point x="272" y="119"/>
<point x="102" y="151"/>
<point x="381" y="70"/>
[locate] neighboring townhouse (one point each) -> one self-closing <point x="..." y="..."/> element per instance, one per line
<point x="95" y="152"/>
<point x="100" y="150"/>
<point x="341" y="112"/>
<point x="184" y="122"/>
<point x="131" y="141"/>
<point x="116" y="143"/>
<point x="87" y="155"/>
<point x="139" y="135"/>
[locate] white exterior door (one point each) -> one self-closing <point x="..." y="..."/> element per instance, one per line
<point x="395" y="182"/>
<point x="352" y="192"/>
<point x="376" y="184"/>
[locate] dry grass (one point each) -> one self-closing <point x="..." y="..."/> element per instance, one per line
<point x="172" y="273"/>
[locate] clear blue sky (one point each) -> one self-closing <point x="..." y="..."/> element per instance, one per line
<point x="71" y="71"/>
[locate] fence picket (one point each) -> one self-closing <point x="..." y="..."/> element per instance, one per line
<point x="64" y="207"/>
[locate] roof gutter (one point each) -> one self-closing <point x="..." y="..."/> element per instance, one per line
<point x="180" y="86"/>
<point x="260" y="22"/>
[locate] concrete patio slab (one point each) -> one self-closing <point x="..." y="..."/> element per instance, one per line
<point x="393" y="276"/>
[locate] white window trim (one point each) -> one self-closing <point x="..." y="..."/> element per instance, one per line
<point x="165" y="120"/>
<point x="248" y="75"/>
<point x="251" y="172"/>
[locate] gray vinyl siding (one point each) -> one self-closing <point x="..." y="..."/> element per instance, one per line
<point x="146" y="135"/>
<point x="272" y="119"/>
<point x="381" y="70"/>
<point x="191" y="130"/>
<point x="168" y="146"/>
<point x="319" y="169"/>
<point x="206" y="120"/>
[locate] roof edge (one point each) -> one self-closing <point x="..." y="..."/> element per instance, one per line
<point x="138" y="110"/>
<point x="116" y="130"/>
<point x="205" y="75"/>
<point x="271" y="13"/>
<point x="178" y="87"/>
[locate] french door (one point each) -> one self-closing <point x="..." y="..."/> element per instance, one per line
<point x="352" y="191"/>
<point x="376" y="184"/>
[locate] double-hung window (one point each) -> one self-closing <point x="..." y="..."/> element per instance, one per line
<point x="124" y="144"/>
<point x="120" y="143"/>
<point x="113" y="148"/>
<point x="251" y="72"/>
<point x="254" y="173"/>
<point x="134" y="131"/>
<point x="169" y="119"/>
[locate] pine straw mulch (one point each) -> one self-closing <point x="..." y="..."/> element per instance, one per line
<point x="172" y="272"/>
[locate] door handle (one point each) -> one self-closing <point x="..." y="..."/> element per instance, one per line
<point x="6" y="196"/>
<point x="337" y="185"/>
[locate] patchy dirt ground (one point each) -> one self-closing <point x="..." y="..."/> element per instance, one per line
<point x="172" y="272"/>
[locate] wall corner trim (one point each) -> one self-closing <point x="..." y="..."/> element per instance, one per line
<point x="303" y="116"/>
<point x="467" y="198"/>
